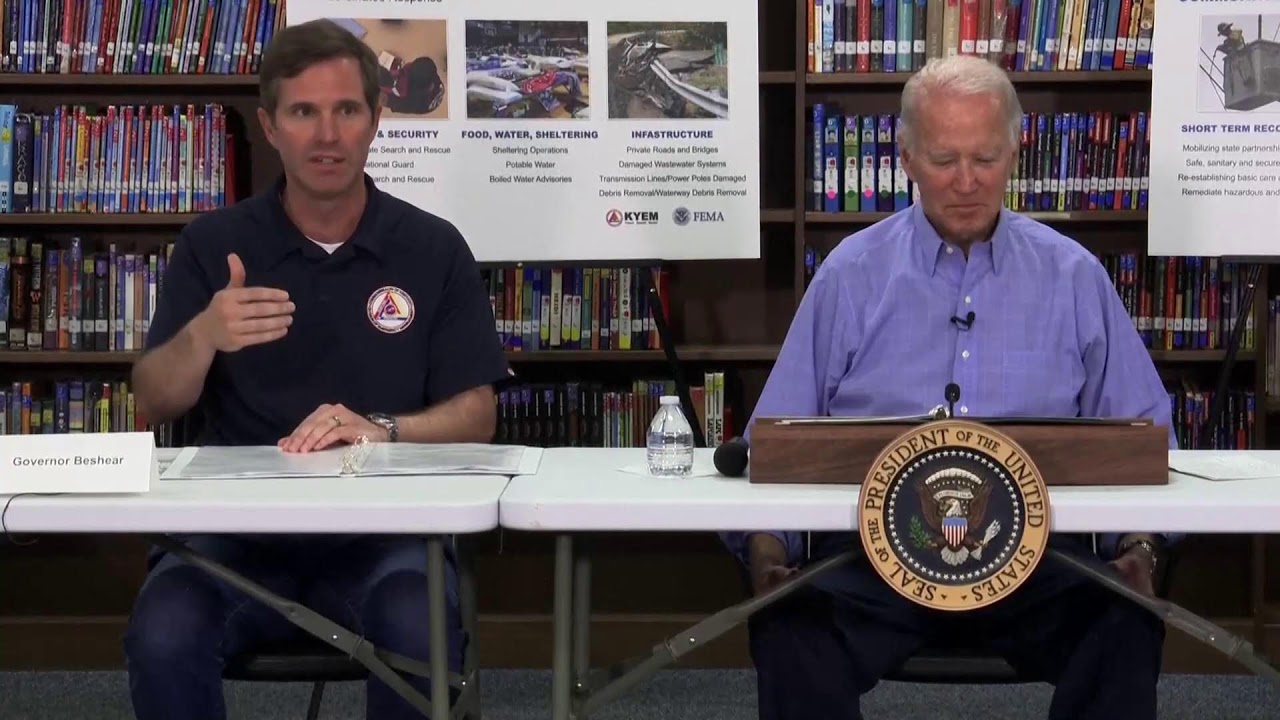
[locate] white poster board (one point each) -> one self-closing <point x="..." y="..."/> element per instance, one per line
<point x="569" y="129"/>
<point x="1215" y="130"/>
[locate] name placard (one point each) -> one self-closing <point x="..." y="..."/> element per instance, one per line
<point x="79" y="463"/>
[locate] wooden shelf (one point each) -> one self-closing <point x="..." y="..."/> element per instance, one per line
<point x="715" y="353"/>
<point x="96" y="219"/>
<point x="691" y="353"/>
<point x="1082" y="216"/>
<point x="704" y="353"/>
<point x="161" y="80"/>
<point x="1095" y="77"/>
<point x="777" y="77"/>
<point x="65" y="357"/>
<point x="115" y="82"/>
<point x="777" y="215"/>
<point x="1200" y="356"/>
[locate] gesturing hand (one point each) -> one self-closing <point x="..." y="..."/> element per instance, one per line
<point x="329" y="425"/>
<point x="238" y="316"/>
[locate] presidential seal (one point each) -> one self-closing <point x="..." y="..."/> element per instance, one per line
<point x="954" y="515"/>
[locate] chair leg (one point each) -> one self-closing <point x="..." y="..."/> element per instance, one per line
<point x="317" y="694"/>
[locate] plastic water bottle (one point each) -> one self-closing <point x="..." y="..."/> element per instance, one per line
<point x="670" y="441"/>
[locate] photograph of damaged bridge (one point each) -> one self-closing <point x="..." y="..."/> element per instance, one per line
<point x="68" y="596"/>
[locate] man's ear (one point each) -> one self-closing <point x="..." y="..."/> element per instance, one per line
<point x="268" y="127"/>
<point x="904" y="159"/>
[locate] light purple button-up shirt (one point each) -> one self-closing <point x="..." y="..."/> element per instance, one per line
<point x="873" y="334"/>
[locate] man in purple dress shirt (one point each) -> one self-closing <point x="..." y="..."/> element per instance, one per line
<point x="1046" y="335"/>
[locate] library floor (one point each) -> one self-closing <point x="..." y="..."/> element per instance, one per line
<point x="672" y="695"/>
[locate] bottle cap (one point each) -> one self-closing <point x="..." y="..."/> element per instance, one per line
<point x="669" y="400"/>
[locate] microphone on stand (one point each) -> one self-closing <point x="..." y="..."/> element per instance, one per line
<point x="952" y="394"/>
<point x="731" y="458"/>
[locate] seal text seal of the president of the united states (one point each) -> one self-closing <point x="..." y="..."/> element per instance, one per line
<point x="954" y="515"/>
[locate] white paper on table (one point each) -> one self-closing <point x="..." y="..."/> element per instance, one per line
<point x="269" y="461"/>
<point x="1225" y="466"/>
<point x="702" y="467"/>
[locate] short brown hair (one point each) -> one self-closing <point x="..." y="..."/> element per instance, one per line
<point x="297" y="47"/>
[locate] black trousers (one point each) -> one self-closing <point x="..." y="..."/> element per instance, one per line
<point x="819" y="650"/>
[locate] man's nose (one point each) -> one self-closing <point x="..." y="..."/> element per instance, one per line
<point x="966" y="178"/>
<point x="328" y="128"/>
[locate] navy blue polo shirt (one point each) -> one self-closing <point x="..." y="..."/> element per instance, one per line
<point x="395" y="320"/>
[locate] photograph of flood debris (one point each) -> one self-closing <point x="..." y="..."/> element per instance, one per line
<point x="675" y="70"/>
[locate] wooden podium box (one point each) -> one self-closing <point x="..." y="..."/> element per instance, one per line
<point x="1093" y="451"/>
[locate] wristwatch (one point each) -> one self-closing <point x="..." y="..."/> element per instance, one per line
<point x="387" y="422"/>
<point x="1148" y="546"/>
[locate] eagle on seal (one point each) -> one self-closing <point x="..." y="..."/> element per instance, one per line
<point x="954" y="504"/>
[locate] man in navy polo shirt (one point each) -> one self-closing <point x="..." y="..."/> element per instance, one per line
<point x="307" y="316"/>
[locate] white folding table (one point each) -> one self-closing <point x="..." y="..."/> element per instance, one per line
<point x="433" y="506"/>
<point x="584" y="490"/>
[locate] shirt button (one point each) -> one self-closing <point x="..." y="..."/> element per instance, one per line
<point x="965" y="354"/>
<point x="964" y="409"/>
<point x="950" y="250"/>
<point x="967" y="299"/>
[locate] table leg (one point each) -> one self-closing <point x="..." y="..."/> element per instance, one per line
<point x="581" y="635"/>
<point x="438" y="629"/>
<point x="1258" y="596"/>
<point x="562" y="630"/>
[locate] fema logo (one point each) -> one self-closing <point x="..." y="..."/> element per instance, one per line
<point x="613" y="217"/>
<point x="954" y="515"/>
<point x="681" y="216"/>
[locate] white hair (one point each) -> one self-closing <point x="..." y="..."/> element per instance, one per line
<point x="959" y="75"/>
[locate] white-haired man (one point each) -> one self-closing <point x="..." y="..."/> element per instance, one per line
<point x="1045" y="334"/>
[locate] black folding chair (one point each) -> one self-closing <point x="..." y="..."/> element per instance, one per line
<point x="310" y="659"/>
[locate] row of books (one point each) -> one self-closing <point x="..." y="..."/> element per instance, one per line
<point x="1272" y="381"/>
<point x="551" y="415"/>
<point x="1191" y="405"/>
<point x="75" y="405"/>
<point x="1175" y="303"/>
<point x="1066" y="162"/>
<point x="1019" y="35"/>
<point x="141" y="37"/>
<point x="576" y="308"/>
<point x="545" y="415"/>
<point x="65" y="296"/>
<point x="590" y="414"/>
<point x="126" y="159"/>
<point x="1182" y="303"/>
<point x="60" y="295"/>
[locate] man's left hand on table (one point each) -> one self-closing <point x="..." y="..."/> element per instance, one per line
<point x="329" y="425"/>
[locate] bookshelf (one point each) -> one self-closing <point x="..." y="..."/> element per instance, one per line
<point x="74" y="593"/>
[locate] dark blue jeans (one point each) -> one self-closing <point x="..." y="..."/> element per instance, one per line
<point x="186" y="623"/>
